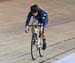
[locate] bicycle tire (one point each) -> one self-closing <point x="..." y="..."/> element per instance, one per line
<point x="34" y="37"/>
<point x="40" y="52"/>
<point x="40" y="49"/>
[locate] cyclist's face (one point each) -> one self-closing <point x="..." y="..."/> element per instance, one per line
<point x="35" y="14"/>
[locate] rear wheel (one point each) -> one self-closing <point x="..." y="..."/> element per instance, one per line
<point x="40" y="49"/>
<point x="41" y="55"/>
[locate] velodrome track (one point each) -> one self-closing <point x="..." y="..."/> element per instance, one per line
<point x="60" y="33"/>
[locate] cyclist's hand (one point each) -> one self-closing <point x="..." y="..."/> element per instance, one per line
<point x="27" y="29"/>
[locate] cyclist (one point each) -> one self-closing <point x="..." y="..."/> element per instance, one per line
<point x="41" y="16"/>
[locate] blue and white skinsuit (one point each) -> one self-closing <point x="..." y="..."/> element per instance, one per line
<point x="42" y="17"/>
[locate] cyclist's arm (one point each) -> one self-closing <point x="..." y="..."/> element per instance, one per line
<point x="28" y="19"/>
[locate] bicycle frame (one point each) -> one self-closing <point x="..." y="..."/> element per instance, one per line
<point x="35" y="29"/>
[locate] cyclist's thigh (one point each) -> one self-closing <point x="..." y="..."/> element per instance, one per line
<point x="35" y="21"/>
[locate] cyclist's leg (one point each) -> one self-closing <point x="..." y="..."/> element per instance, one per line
<point x="46" y="24"/>
<point x="35" y="21"/>
<point x="44" y="39"/>
<point x="43" y="33"/>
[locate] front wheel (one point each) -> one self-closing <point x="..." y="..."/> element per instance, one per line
<point x="34" y="46"/>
